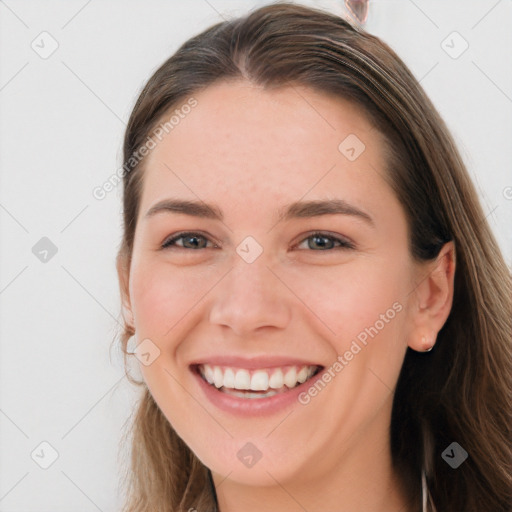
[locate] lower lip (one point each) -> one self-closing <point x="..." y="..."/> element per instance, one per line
<point x="253" y="406"/>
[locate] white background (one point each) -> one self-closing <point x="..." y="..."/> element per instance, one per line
<point x="61" y="127"/>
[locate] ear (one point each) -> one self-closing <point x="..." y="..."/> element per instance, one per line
<point x="434" y="296"/>
<point x="123" y="274"/>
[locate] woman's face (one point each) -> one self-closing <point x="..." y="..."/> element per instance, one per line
<point x="254" y="299"/>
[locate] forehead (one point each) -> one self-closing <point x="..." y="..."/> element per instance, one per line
<point x="244" y="143"/>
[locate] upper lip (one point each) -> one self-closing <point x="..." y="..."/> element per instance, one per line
<point x="252" y="363"/>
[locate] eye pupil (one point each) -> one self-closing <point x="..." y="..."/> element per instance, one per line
<point x="193" y="239"/>
<point x="319" y="240"/>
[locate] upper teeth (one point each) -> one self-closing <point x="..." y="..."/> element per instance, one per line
<point x="256" y="380"/>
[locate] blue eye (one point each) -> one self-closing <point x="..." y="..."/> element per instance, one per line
<point x="318" y="241"/>
<point x="194" y="239"/>
<point x="324" y="241"/>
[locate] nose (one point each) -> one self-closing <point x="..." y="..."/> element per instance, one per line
<point x="249" y="298"/>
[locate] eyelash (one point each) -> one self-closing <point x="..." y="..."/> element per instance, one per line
<point x="343" y="243"/>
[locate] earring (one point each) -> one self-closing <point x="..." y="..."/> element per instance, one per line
<point x="131" y="345"/>
<point x="424" y="342"/>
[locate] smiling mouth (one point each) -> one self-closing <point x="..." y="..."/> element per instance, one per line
<point x="256" y="383"/>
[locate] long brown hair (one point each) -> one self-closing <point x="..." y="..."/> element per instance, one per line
<point x="460" y="391"/>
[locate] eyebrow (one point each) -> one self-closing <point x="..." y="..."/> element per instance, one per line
<point x="298" y="209"/>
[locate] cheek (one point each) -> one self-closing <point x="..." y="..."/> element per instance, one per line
<point x="161" y="296"/>
<point x="360" y="311"/>
<point x="150" y="297"/>
<point x="349" y="298"/>
<point x="364" y="307"/>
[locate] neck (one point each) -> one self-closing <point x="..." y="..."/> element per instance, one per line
<point x="357" y="479"/>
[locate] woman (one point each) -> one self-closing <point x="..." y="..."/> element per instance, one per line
<point x="321" y="311"/>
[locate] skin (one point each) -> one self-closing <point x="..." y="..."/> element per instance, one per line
<point x="251" y="152"/>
